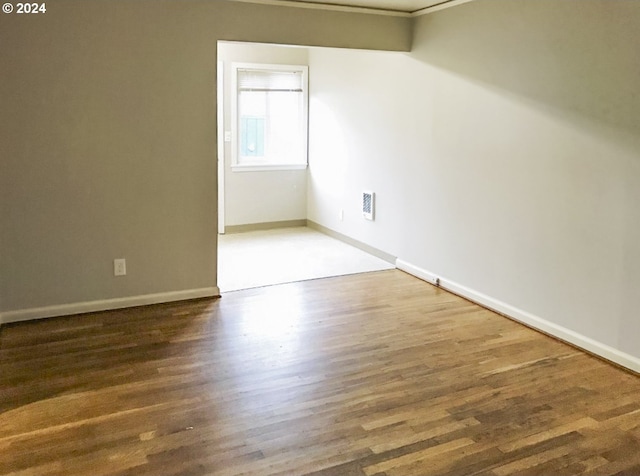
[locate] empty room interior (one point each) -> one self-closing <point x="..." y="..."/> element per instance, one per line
<point x="486" y="152"/>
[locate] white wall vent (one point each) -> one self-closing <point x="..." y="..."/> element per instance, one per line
<point x="368" y="205"/>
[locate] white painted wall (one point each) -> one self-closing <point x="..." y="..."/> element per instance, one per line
<point x="505" y="153"/>
<point x="260" y="196"/>
<point x="358" y="141"/>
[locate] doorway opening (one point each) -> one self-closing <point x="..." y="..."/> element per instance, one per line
<point x="263" y="234"/>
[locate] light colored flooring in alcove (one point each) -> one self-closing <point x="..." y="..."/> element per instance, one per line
<point x="261" y="258"/>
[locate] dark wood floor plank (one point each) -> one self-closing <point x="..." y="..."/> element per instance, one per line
<point x="377" y="374"/>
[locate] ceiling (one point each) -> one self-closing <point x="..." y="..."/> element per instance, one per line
<point x="393" y="7"/>
<point x="407" y="6"/>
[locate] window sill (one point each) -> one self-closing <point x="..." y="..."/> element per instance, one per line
<point x="267" y="168"/>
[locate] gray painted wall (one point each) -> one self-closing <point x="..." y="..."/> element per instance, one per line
<point x="505" y="153"/>
<point x="108" y="133"/>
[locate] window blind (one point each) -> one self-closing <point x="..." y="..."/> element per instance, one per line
<point x="264" y="80"/>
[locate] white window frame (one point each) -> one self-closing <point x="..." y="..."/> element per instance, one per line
<point x="244" y="166"/>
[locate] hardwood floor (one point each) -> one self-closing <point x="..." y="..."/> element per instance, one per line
<point x="372" y="374"/>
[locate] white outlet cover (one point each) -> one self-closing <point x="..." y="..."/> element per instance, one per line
<point x="119" y="267"/>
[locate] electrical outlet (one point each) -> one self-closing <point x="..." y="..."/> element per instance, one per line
<point x="341" y="215"/>
<point x="119" y="267"/>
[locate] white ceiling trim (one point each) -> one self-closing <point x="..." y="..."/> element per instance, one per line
<point x="353" y="9"/>
<point x="328" y="6"/>
<point x="438" y="7"/>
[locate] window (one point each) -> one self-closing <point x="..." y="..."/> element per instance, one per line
<point x="269" y="117"/>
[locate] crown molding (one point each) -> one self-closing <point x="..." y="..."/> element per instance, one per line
<point x="353" y="9"/>
<point x="328" y="6"/>
<point x="440" y="6"/>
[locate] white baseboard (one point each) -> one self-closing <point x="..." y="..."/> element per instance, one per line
<point x="417" y="272"/>
<point x="105" y="305"/>
<point x="271" y="225"/>
<point x="353" y="242"/>
<point x="567" y="335"/>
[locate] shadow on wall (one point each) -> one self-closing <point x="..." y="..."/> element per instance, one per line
<point x="578" y="58"/>
<point x="544" y="103"/>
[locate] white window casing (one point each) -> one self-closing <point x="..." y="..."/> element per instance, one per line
<point x="269" y="117"/>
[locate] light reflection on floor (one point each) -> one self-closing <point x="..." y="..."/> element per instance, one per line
<point x="275" y="316"/>
<point x="272" y="353"/>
